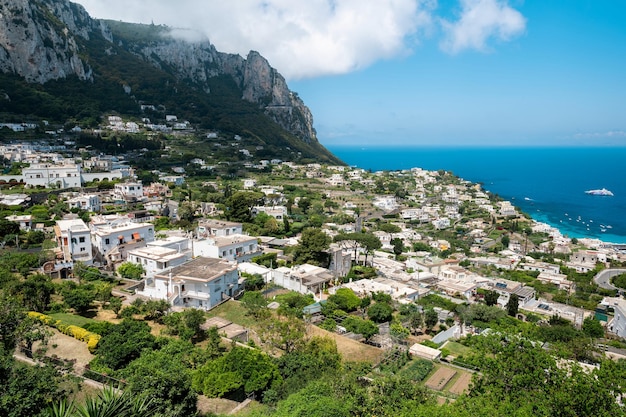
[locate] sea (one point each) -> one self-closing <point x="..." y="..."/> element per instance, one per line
<point x="547" y="183"/>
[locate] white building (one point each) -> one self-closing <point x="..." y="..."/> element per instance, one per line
<point x="277" y="212"/>
<point x="218" y="228"/>
<point x="305" y="279"/>
<point x="239" y="248"/>
<point x="200" y="283"/>
<point x="129" y="190"/>
<point x="88" y="202"/>
<point x="74" y="240"/>
<point x="156" y="260"/>
<point x="25" y="221"/>
<point x="108" y="235"/>
<point x="52" y="176"/>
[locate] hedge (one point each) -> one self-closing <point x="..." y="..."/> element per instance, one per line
<point x="76" y="332"/>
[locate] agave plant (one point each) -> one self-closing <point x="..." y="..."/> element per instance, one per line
<point x="109" y="403"/>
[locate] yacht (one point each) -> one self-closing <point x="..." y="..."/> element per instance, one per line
<point x="602" y="191"/>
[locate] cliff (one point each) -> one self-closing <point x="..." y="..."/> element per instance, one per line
<point x="54" y="42"/>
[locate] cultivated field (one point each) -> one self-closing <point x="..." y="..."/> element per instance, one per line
<point x="461" y="385"/>
<point x="440" y="378"/>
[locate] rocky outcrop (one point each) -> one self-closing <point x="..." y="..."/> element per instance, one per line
<point x="38" y="39"/>
<point x="260" y="83"/>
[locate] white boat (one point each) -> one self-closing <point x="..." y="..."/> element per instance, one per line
<point x="601" y="191"/>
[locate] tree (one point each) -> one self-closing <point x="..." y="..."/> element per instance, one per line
<point x="380" y="312"/>
<point x="253" y="282"/>
<point x="193" y="320"/>
<point x="370" y="243"/>
<point x="505" y="240"/>
<point x="398" y="331"/>
<point x="124" y="343"/>
<point x="389" y="228"/>
<point x="11" y="315"/>
<point x="285" y="333"/>
<point x="115" y="305"/>
<point x="431" y="318"/>
<point x="35" y="292"/>
<point x="513" y="305"/>
<point x="79" y="298"/>
<point x="27" y="390"/>
<point x="491" y="297"/>
<point x="312" y="247"/>
<point x="8" y="228"/>
<point x="255" y="303"/>
<point x="398" y="246"/>
<point x="240" y="372"/>
<point x="131" y="270"/>
<point x="239" y="205"/>
<point x="155" y="309"/>
<point x="163" y="378"/>
<point x="345" y="299"/>
<point x="592" y="328"/>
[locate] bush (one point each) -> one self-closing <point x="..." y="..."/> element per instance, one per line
<point x="76" y="332"/>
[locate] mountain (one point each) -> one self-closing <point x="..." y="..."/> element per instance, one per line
<point x="58" y="63"/>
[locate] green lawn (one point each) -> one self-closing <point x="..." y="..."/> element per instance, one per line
<point x="71" y="319"/>
<point x="456" y="349"/>
<point x="233" y="310"/>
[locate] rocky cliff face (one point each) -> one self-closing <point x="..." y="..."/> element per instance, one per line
<point x="259" y="82"/>
<point x="40" y="40"/>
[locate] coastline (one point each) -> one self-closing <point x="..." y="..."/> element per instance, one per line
<point x="545" y="183"/>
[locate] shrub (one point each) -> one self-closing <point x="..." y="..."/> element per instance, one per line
<point x="76" y="332"/>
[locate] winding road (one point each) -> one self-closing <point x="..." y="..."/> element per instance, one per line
<point x="603" y="279"/>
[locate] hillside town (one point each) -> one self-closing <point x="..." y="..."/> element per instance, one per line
<point x="413" y="260"/>
<point x="318" y="231"/>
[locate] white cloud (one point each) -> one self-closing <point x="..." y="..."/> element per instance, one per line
<point x="480" y="21"/>
<point x="612" y="134"/>
<point x="300" y="38"/>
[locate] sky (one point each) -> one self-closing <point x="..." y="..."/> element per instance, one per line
<point x="427" y="72"/>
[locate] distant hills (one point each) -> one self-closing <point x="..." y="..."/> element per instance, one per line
<point x="59" y="64"/>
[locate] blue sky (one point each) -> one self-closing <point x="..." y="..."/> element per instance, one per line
<point x="422" y="72"/>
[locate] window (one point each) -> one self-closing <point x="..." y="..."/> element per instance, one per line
<point x="82" y="249"/>
<point x="107" y="241"/>
<point x="81" y="239"/>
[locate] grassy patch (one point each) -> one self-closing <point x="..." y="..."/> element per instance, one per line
<point x="456" y="349"/>
<point x="234" y="311"/>
<point x="72" y="319"/>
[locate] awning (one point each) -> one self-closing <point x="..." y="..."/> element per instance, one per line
<point x="136" y="236"/>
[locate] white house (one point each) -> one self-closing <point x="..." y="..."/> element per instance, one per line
<point x="108" y="235"/>
<point x="249" y="183"/>
<point x="305" y="279"/>
<point x="74" y="240"/>
<point x="50" y="175"/>
<point x="88" y="202"/>
<point x="25" y="221"/>
<point x="156" y="260"/>
<point x="200" y="283"/>
<point x="239" y="248"/>
<point x="277" y="212"/>
<point x="129" y="190"/>
<point x="215" y="228"/>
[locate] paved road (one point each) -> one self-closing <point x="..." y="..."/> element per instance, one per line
<point x="603" y="279"/>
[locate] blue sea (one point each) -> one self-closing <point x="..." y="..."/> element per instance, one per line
<point x="547" y="183"/>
